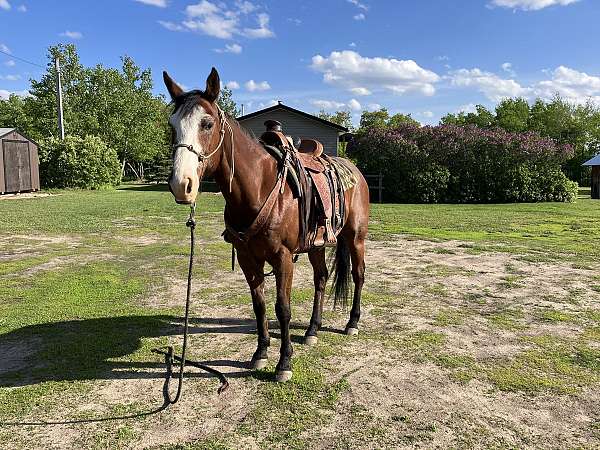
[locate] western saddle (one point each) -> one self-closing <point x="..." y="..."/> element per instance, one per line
<point x="315" y="181"/>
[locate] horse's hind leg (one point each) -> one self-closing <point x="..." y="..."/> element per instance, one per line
<point x="256" y="281"/>
<point x="317" y="259"/>
<point x="357" y="255"/>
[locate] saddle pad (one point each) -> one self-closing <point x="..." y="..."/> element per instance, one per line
<point x="346" y="175"/>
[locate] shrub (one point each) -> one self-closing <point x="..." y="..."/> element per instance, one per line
<point x="76" y="162"/>
<point x="457" y="164"/>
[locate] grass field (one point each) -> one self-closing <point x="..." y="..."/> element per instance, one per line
<point x="480" y="328"/>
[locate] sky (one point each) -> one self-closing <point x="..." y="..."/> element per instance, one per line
<point x="423" y="57"/>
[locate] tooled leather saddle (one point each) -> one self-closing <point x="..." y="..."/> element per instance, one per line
<point x="318" y="187"/>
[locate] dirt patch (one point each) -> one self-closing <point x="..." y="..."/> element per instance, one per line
<point x="433" y="312"/>
<point x="24" y="195"/>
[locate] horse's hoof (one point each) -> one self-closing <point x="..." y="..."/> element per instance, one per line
<point x="281" y="376"/>
<point x="351" y="331"/>
<point x="257" y="364"/>
<point x="310" y="340"/>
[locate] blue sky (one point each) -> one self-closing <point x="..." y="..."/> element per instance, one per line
<point x="425" y="57"/>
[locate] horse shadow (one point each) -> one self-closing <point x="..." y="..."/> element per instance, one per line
<point x="111" y="348"/>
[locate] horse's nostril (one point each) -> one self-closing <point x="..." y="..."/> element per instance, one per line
<point x="188" y="187"/>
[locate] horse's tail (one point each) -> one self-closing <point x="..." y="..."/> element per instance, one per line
<point x="341" y="277"/>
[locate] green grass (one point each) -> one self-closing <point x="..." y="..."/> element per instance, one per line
<point x="557" y="229"/>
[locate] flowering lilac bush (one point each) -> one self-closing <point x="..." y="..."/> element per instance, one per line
<point x="457" y="164"/>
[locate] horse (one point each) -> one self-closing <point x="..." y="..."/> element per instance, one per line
<point x="206" y="142"/>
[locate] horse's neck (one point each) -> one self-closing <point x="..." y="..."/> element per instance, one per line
<point x="254" y="174"/>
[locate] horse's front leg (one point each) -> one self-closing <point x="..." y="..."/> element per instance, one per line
<point x="284" y="273"/>
<point x="254" y="273"/>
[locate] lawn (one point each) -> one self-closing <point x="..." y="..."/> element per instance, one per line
<point x="480" y="327"/>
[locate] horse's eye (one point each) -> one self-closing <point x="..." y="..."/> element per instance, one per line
<point x="207" y="123"/>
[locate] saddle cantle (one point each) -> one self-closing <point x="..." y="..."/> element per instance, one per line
<point x="321" y="198"/>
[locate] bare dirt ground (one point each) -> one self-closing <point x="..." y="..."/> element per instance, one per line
<point x="458" y="349"/>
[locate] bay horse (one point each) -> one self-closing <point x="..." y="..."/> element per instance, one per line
<point x="208" y="143"/>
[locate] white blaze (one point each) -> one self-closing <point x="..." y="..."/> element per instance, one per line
<point x="185" y="163"/>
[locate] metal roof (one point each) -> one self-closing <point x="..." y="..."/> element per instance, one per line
<point x="595" y="161"/>
<point x="4" y="131"/>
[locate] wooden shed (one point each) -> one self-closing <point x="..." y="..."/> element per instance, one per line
<point x="19" y="162"/>
<point x="297" y="124"/>
<point x="595" y="164"/>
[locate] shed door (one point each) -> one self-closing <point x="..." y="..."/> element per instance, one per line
<point x="17" y="171"/>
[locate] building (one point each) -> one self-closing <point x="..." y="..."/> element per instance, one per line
<point x="19" y="163"/>
<point x="297" y="124"/>
<point x="595" y="164"/>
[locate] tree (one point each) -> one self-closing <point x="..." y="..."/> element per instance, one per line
<point x="381" y="119"/>
<point x="117" y="105"/>
<point x="513" y="115"/>
<point x="481" y="118"/>
<point x="343" y="118"/>
<point x="227" y="103"/>
<point x="374" y="119"/>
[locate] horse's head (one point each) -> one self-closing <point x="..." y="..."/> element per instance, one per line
<point x="197" y="129"/>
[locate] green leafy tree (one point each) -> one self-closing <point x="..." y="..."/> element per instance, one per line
<point x="227" y="103"/>
<point x="76" y="162"/>
<point x="481" y="118"/>
<point x="401" y="119"/>
<point x="513" y="115"/>
<point x="343" y="118"/>
<point x="374" y="119"/>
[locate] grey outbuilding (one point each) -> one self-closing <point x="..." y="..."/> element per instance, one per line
<point x="19" y="162"/>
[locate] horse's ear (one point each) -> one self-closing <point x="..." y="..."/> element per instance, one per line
<point x="213" y="86"/>
<point x="172" y="87"/>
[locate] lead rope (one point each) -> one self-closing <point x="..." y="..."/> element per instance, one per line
<point x="169" y="355"/>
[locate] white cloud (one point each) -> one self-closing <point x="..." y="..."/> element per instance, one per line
<point x="233" y="48"/>
<point x="428" y="114"/>
<point x="158" y="3"/>
<point x="10" y="63"/>
<point x="4" y="94"/>
<point x="508" y="68"/>
<point x="10" y="77"/>
<point x="374" y="107"/>
<point x="360" y="91"/>
<point x="574" y="86"/>
<point x="358" y="4"/>
<point x="4" y="5"/>
<point x="352" y="44"/>
<point x="216" y="20"/>
<point x="469" y="108"/>
<point x="72" y="34"/>
<point x="352" y="104"/>
<point x="232" y="85"/>
<point x="327" y="104"/>
<point x="494" y="87"/>
<point x="359" y="16"/>
<point x="246" y="7"/>
<point x="22" y="8"/>
<point x="252" y="86"/>
<point x="4" y="48"/>
<point x="262" y="31"/>
<point x="531" y="5"/>
<point x="350" y="70"/>
<point x="268" y="104"/>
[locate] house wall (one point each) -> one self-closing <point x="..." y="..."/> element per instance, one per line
<point x="296" y="126"/>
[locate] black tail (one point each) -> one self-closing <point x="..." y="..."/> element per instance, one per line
<point x="341" y="278"/>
